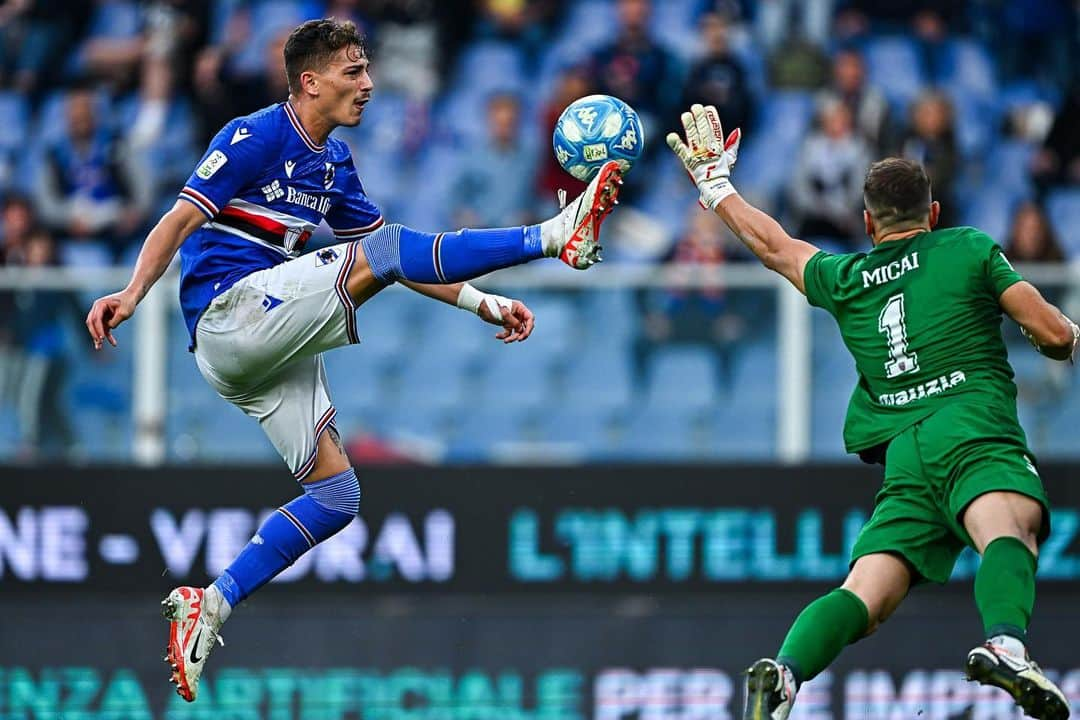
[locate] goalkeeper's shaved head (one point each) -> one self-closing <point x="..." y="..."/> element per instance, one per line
<point x="897" y="193"/>
<point x="312" y="45"/>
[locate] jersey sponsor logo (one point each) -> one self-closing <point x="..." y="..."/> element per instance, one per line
<point x="328" y="176"/>
<point x="893" y="271"/>
<point x="213" y="162"/>
<point x="926" y="389"/>
<point x="273" y="191"/>
<point x="240" y="134"/>
<point x="289" y="165"/>
<point x="317" y="203"/>
<point x="326" y="256"/>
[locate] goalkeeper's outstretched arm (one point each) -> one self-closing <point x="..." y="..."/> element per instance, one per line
<point x="708" y="158"/>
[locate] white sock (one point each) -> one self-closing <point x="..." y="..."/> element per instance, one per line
<point x="216" y="607"/>
<point x="1013" y="646"/>
<point x="553" y="235"/>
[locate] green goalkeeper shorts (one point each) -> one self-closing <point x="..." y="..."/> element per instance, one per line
<point x="933" y="470"/>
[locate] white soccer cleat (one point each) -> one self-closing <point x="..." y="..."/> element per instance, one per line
<point x="770" y="691"/>
<point x="191" y="638"/>
<point x="579" y="241"/>
<point x="1020" y="677"/>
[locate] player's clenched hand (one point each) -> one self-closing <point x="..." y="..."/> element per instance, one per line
<point x="705" y="154"/>
<point x="517" y="320"/>
<point x="106" y="313"/>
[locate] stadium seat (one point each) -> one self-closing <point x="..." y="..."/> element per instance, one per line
<point x="114" y="19"/>
<point x="14" y="118"/>
<point x="991" y="211"/>
<point x="976" y="122"/>
<point x="765" y="157"/>
<point x="967" y="65"/>
<point x="671" y="433"/>
<point x="682" y="377"/>
<point x="1063" y="208"/>
<point x="893" y="65"/>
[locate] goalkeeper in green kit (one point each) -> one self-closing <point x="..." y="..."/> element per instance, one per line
<point x="935" y="403"/>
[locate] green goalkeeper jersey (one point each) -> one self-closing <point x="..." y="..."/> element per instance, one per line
<point x="921" y="318"/>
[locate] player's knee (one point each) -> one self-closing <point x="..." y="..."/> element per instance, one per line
<point x="382" y="249"/>
<point x="340" y="492"/>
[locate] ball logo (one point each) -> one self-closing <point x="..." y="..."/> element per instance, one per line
<point x="586" y="116"/>
<point x="561" y="155"/>
<point x="628" y="141"/>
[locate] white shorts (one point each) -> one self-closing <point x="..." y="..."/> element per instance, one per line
<point x="259" y="343"/>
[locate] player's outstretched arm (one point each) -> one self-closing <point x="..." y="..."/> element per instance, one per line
<point x="516" y="320"/>
<point x="708" y="159"/>
<point x="156" y="254"/>
<point x="1052" y="334"/>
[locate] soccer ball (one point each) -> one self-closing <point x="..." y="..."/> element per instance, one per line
<point x="593" y="130"/>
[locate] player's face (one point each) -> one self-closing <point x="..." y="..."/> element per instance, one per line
<point x="346" y="86"/>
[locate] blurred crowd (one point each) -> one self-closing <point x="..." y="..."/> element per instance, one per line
<point x="107" y="106"/>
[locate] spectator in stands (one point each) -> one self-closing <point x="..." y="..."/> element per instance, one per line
<point x="702" y="316"/>
<point x="33" y="34"/>
<point x="89" y="186"/>
<point x="1031" y="237"/>
<point x="638" y="69"/>
<point x="866" y="103"/>
<point x="1057" y="162"/>
<point x="572" y="84"/>
<point x="827" y="182"/>
<point x="931" y="140"/>
<point x="527" y="23"/>
<point x="222" y="92"/>
<point x="17" y="218"/>
<point x="929" y="22"/>
<point x="166" y="39"/>
<point x="495" y="179"/>
<point x="779" y="22"/>
<point x="718" y="78"/>
<point x="41" y="321"/>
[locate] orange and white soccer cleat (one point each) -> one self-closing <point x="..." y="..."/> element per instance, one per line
<point x="991" y="664"/>
<point x="191" y="638"/>
<point x="578" y="228"/>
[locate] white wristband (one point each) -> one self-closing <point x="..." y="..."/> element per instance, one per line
<point x="712" y="196"/>
<point x="469" y="298"/>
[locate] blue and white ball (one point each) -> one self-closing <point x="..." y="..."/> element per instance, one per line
<point x="595" y="129"/>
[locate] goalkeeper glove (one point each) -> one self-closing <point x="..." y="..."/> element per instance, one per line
<point x="706" y="155"/>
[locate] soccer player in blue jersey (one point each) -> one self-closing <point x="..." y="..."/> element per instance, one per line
<point x="260" y="313"/>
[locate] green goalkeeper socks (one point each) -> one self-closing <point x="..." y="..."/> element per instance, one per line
<point x="824" y="628"/>
<point x="1005" y="587"/>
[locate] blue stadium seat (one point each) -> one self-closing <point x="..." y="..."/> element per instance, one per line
<point x="968" y="66"/>
<point x="515" y="376"/>
<point x="832" y="380"/>
<point x="671" y="433"/>
<point x="576" y="429"/>
<point x="433" y="381"/>
<point x="268" y="19"/>
<point x="765" y="157"/>
<point x="1008" y="162"/>
<point x="744" y="429"/>
<point x="1063" y="208"/>
<point x="683" y="377"/>
<point x="976" y="122"/>
<point x="600" y="378"/>
<point x="114" y="19"/>
<point x="991" y="211"/>
<point x="14" y="118"/>
<point x="893" y="65"/>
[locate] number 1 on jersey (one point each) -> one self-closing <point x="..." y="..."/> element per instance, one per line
<point x="891" y="322"/>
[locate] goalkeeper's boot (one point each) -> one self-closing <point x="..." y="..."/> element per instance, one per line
<point x="578" y="225"/>
<point x="192" y="635"/>
<point x="991" y="664"/>
<point x="770" y="691"/>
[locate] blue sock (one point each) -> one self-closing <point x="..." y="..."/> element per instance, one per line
<point x="395" y="252"/>
<point x="326" y="507"/>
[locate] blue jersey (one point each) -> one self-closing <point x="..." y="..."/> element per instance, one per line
<point x="264" y="186"/>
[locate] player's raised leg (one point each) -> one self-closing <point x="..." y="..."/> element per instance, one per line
<point x="872" y="591"/>
<point x="395" y="252"/>
<point x="1004" y="527"/>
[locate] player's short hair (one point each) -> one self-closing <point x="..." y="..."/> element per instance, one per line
<point x="311" y="45"/>
<point x="897" y="191"/>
